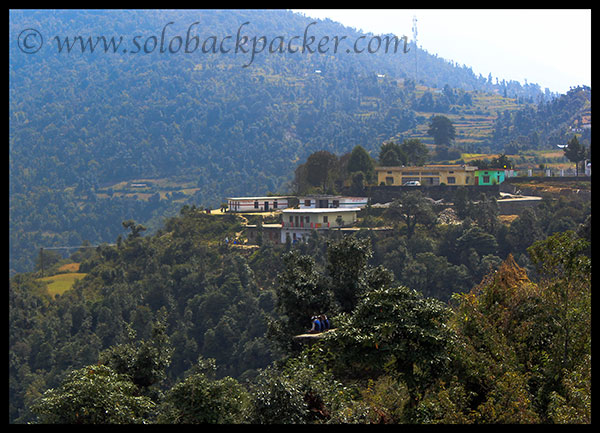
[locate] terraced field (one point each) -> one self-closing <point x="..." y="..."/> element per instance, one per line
<point x="474" y="124"/>
<point x="60" y="283"/>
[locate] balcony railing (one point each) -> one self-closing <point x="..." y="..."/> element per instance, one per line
<point x="301" y="225"/>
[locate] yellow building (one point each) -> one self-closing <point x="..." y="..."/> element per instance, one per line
<point x="427" y="175"/>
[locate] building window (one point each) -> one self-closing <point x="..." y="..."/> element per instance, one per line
<point x="306" y="202"/>
<point x="389" y="180"/>
<point x="255" y="205"/>
<point x="451" y="179"/>
<point x="325" y="220"/>
<point x="291" y="218"/>
<point x="307" y="218"/>
<point x="275" y="204"/>
<point x="336" y="203"/>
<point x="486" y="179"/>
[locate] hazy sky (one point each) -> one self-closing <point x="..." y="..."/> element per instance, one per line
<point x="552" y="47"/>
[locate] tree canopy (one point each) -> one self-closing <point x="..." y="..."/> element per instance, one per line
<point x="576" y="152"/>
<point x="442" y="130"/>
<point x="175" y="328"/>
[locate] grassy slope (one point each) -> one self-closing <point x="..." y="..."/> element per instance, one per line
<point x="60" y="283"/>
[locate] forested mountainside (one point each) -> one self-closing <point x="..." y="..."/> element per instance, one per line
<point x="548" y="124"/>
<point x="226" y="124"/>
<point x="439" y="324"/>
<point x="105" y="117"/>
<point x="460" y="317"/>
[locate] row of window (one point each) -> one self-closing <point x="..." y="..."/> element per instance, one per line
<point x="322" y="203"/>
<point x="416" y="173"/>
<point x="305" y="219"/>
<point x="256" y="204"/>
<point x="432" y="181"/>
<point x="269" y="234"/>
<point x="307" y="203"/>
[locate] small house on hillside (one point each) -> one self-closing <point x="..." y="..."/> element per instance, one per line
<point x="490" y="176"/>
<point x="257" y="204"/>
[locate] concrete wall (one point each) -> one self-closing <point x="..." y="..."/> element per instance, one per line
<point x="385" y="194"/>
<point x="517" y="206"/>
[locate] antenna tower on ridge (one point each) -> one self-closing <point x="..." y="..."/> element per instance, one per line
<point x="414" y="30"/>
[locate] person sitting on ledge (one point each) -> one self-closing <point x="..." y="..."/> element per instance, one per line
<point x="325" y="325"/>
<point x="316" y="325"/>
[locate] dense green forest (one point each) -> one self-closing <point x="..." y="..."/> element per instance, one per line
<point x="435" y="322"/>
<point x="453" y="315"/>
<point x="547" y="124"/>
<point x="81" y="122"/>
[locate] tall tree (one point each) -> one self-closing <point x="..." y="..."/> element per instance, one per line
<point x="412" y="208"/>
<point x="361" y="161"/>
<point x="415" y="151"/>
<point x="391" y="154"/>
<point x="95" y="394"/>
<point x="576" y="152"/>
<point x="301" y="294"/>
<point x="442" y="130"/>
<point x="202" y="399"/>
<point x="347" y="265"/>
<point x="318" y="171"/>
<point x="394" y="328"/>
<point x="145" y="362"/>
<point x="565" y="272"/>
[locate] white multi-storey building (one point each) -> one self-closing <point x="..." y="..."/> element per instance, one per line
<point x="298" y="223"/>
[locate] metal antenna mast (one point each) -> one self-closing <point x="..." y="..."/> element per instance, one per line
<point x="414" y="30"/>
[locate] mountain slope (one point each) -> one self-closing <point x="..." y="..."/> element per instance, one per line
<point x="232" y="123"/>
<point x="113" y="116"/>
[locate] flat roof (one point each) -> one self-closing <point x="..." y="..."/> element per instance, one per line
<point x="265" y="226"/>
<point x="323" y="210"/>
<point x="428" y="167"/>
<point x="272" y="197"/>
<point x="322" y="197"/>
